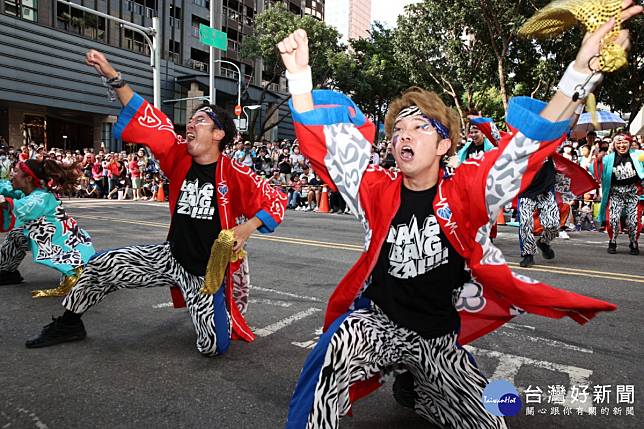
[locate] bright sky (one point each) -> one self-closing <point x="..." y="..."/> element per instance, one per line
<point x="387" y="11"/>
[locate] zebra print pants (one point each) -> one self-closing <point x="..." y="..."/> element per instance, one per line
<point x="548" y="216"/>
<point x="623" y="198"/>
<point x="449" y="387"/>
<point x="154" y="266"/>
<point x="13" y="250"/>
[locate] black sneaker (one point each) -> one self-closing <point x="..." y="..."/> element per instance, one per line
<point x="612" y="248"/>
<point x="546" y="250"/>
<point x="527" y="261"/>
<point x="635" y="250"/>
<point x="10" y="278"/>
<point x="57" y="332"/>
<point x="403" y="390"/>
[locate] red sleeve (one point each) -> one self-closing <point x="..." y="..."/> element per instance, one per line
<point x="140" y="122"/>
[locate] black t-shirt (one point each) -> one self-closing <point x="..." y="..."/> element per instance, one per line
<point x="624" y="172"/>
<point x="417" y="271"/>
<point x="474" y="150"/>
<point x="543" y="181"/>
<point x="195" y="223"/>
<point x="284" y="165"/>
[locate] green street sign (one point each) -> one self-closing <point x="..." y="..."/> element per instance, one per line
<point x="212" y="37"/>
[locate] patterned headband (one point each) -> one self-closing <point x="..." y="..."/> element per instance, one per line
<point x="413" y="110"/>
<point x="211" y="113"/>
<point x="27" y="170"/>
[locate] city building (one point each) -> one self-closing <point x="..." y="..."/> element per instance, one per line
<point x="48" y="96"/>
<point x="352" y="18"/>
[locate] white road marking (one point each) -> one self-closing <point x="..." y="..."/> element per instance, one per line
<point x="509" y="366"/>
<point x="310" y="343"/>
<point x="516" y="325"/>
<point x="271" y="329"/>
<point x="279" y="292"/>
<point x="163" y="305"/>
<point x="541" y="340"/>
<point x="276" y="303"/>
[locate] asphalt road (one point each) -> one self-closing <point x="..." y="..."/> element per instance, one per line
<point x="139" y="368"/>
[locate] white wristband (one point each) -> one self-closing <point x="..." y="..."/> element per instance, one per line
<point x="573" y="81"/>
<point x="300" y="83"/>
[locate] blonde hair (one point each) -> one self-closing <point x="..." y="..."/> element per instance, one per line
<point x="432" y="106"/>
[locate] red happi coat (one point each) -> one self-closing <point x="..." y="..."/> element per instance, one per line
<point x="336" y="137"/>
<point x="240" y="193"/>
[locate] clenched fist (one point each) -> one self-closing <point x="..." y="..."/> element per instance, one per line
<point x="295" y="51"/>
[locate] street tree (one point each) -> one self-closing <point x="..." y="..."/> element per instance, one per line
<point x="271" y="26"/>
<point x="369" y="72"/>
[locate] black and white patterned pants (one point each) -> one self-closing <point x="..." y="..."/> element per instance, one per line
<point x="623" y="198"/>
<point x="13" y="250"/>
<point x="448" y="386"/>
<point x="548" y="216"/>
<point x="154" y="266"/>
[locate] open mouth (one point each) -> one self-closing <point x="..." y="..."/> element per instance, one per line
<point x="406" y="153"/>
<point x="190" y="137"/>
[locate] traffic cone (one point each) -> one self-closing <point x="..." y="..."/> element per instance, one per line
<point x="500" y="220"/>
<point x="160" y="193"/>
<point x="324" y="201"/>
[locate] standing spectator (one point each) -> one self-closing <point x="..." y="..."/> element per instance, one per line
<point x="5" y="165"/>
<point x="284" y="165"/>
<point x="297" y="161"/>
<point x="375" y="157"/>
<point x="248" y="155"/>
<point x="135" y="174"/>
<point x="586" y="159"/>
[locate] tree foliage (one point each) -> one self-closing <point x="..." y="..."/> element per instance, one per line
<point x="271" y="26"/>
<point x="369" y="72"/>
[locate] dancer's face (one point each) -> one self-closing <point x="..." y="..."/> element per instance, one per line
<point x="476" y="135"/>
<point x="417" y="146"/>
<point x="20" y="180"/>
<point x="202" y="135"/>
<point x="621" y="145"/>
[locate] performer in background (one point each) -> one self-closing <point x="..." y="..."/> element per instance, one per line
<point x="36" y="220"/>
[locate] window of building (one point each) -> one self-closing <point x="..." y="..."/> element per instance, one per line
<point x="25" y="9"/>
<point x="80" y="22"/>
<point x="202" y="3"/>
<point x="174" y="51"/>
<point x="106" y="134"/>
<point x="135" y="41"/>
<point x="175" y="16"/>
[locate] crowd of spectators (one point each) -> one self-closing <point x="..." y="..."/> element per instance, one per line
<point x="104" y="174"/>
<point x="136" y="176"/>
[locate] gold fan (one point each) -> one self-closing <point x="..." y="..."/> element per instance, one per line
<point x="560" y="15"/>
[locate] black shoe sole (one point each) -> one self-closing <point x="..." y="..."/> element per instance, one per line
<point x="34" y="344"/>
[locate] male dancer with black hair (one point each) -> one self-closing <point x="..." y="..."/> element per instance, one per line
<point x="208" y="193"/>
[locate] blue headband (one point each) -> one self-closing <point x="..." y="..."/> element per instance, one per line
<point x="212" y="115"/>
<point x="413" y="110"/>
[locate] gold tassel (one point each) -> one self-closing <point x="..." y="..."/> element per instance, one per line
<point x="66" y="284"/>
<point x="221" y="255"/>
<point x="591" y="106"/>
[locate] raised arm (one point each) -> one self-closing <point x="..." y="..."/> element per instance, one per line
<point x="139" y="121"/>
<point x="333" y="134"/>
<point x="104" y="68"/>
<point x="537" y="128"/>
